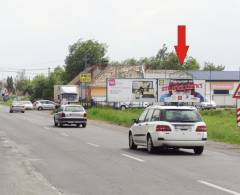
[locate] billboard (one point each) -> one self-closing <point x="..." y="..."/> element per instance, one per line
<point x="181" y="90"/>
<point x="142" y="90"/>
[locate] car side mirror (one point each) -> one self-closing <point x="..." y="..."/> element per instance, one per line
<point x="135" y="120"/>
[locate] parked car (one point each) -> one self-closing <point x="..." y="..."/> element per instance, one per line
<point x="44" y="105"/>
<point x="125" y="105"/>
<point x="27" y="105"/>
<point x="70" y="114"/>
<point x="208" y="105"/>
<point x="169" y="127"/>
<point x="16" y="106"/>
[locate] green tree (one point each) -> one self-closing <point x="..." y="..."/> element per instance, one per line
<point x="40" y="87"/>
<point x="210" y="66"/>
<point x="130" y="61"/>
<point x="191" y="64"/>
<point x="83" y="54"/>
<point x="10" y="84"/>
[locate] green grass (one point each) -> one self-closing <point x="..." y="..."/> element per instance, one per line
<point x="221" y="123"/>
<point x="118" y="117"/>
<point x="6" y="103"/>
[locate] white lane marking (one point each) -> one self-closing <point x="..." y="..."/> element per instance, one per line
<point x="94" y="145"/>
<point x="132" y="157"/>
<point x="64" y="134"/>
<point x="218" y="187"/>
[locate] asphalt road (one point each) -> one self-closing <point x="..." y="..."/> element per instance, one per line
<point x="36" y="158"/>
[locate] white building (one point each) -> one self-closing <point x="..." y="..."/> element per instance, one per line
<point x="220" y="85"/>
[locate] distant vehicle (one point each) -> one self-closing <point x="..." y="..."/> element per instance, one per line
<point x="44" y="105"/>
<point x="64" y="94"/>
<point x="16" y="107"/>
<point x="70" y="114"/>
<point x="27" y="105"/>
<point x="208" y="105"/>
<point x="169" y="127"/>
<point x="125" y="105"/>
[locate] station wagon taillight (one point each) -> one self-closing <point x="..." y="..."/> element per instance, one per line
<point x="201" y="128"/>
<point x="163" y="128"/>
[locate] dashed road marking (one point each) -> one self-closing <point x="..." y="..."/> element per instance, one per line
<point x="132" y="157"/>
<point x="94" y="145"/>
<point x="219" y="187"/>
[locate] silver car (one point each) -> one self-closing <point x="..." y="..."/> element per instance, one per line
<point x="44" y="105"/>
<point x="70" y="114"/>
<point x="17" y="107"/>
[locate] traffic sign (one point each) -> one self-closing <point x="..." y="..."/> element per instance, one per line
<point x="85" y="78"/>
<point x="237" y="92"/>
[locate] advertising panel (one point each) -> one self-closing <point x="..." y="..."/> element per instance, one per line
<point x="142" y="90"/>
<point x="181" y="90"/>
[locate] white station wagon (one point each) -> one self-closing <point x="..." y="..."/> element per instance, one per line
<point x="169" y="127"/>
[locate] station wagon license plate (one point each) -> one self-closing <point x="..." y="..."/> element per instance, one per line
<point x="183" y="127"/>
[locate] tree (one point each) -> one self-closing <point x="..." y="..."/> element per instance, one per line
<point x="10" y="84"/>
<point x="191" y="64"/>
<point x="40" y="88"/>
<point x="130" y="61"/>
<point x="83" y="54"/>
<point x="210" y="66"/>
<point x="169" y="61"/>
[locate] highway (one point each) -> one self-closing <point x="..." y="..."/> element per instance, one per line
<point x="37" y="158"/>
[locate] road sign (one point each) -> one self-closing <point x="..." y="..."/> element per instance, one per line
<point x="237" y="92"/>
<point x="85" y="78"/>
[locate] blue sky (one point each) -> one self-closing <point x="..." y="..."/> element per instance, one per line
<point x="36" y="34"/>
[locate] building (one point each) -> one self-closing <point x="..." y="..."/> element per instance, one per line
<point x="96" y="89"/>
<point x="220" y="85"/>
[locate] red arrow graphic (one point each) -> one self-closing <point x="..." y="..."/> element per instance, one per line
<point x="181" y="48"/>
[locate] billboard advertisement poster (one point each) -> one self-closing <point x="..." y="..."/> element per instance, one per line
<point x="192" y="91"/>
<point x="141" y="90"/>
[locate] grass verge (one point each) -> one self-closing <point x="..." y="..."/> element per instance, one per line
<point x="6" y="103"/>
<point x="221" y="123"/>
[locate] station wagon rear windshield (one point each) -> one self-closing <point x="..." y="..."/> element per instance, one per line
<point x="74" y="109"/>
<point x="177" y="115"/>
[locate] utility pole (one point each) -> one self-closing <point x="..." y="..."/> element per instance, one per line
<point x="210" y="84"/>
<point x="49" y="71"/>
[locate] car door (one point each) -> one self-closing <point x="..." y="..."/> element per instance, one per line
<point x="51" y="105"/>
<point x="137" y="128"/>
<point x="145" y="126"/>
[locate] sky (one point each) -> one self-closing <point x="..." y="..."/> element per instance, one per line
<point x="35" y="34"/>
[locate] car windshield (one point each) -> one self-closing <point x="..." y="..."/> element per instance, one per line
<point x="177" y="115"/>
<point x="17" y="103"/>
<point x="74" y="109"/>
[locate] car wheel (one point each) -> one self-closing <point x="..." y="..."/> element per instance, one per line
<point x="40" y="108"/>
<point x="123" y="107"/>
<point x="198" y="150"/>
<point x="22" y="111"/>
<point x="11" y="111"/>
<point x="132" y="145"/>
<point x="55" y="123"/>
<point x="150" y="147"/>
<point x="84" y="125"/>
